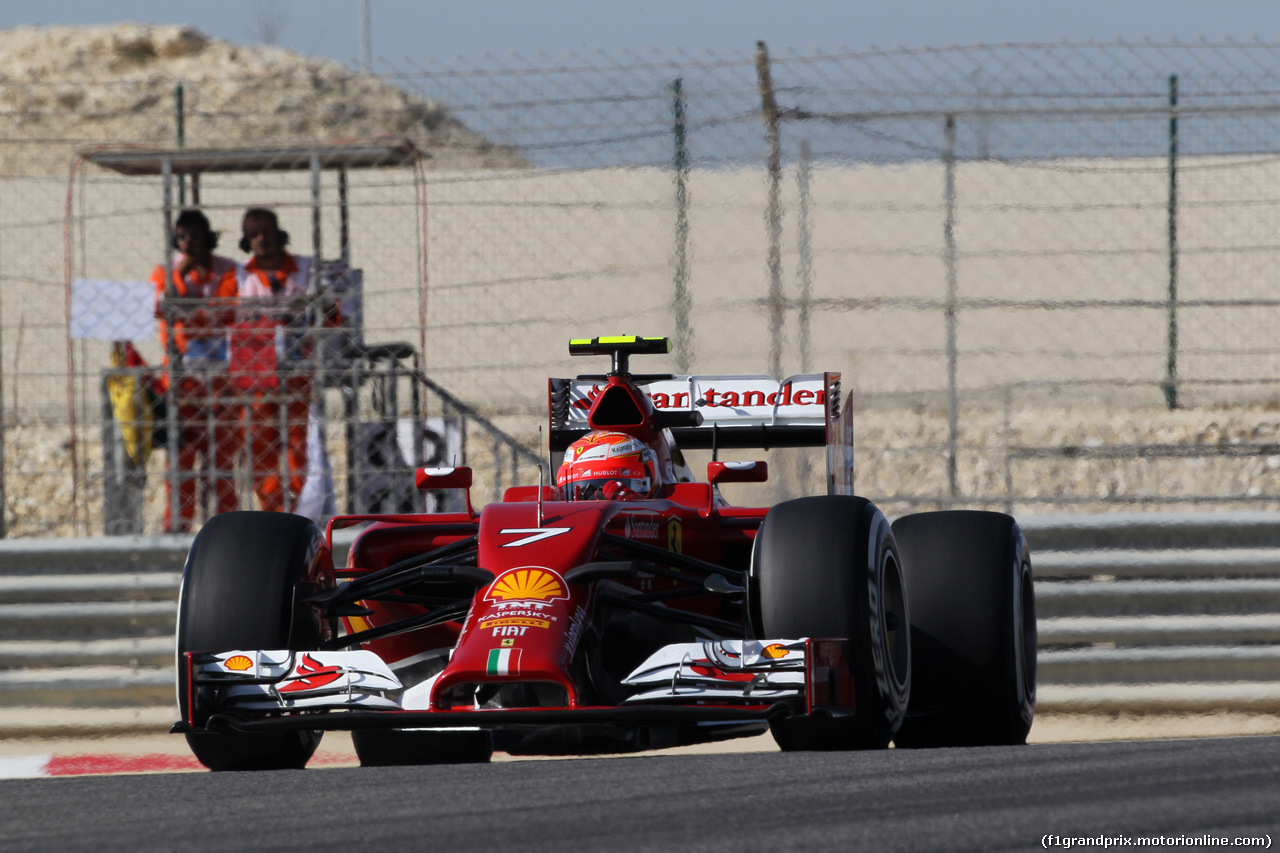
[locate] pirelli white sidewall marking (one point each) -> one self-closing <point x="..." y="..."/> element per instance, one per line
<point x="533" y="534"/>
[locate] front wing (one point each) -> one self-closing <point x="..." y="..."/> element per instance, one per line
<point x="684" y="683"/>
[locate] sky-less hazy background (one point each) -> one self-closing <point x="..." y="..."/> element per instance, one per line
<point x="424" y="29"/>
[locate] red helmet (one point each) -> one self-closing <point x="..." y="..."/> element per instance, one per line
<point x="608" y="465"/>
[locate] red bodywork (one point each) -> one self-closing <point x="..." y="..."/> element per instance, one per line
<point x="525" y="628"/>
<point x="533" y="612"/>
<point x="529" y="607"/>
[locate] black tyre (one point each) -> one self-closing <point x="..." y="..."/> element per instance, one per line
<point x="973" y="629"/>
<point x="398" y="747"/>
<point x="242" y="588"/>
<point x="828" y="566"/>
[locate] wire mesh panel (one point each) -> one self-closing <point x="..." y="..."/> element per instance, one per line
<point x="1015" y="254"/>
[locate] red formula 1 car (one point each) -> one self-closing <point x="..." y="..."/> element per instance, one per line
<point x="628" y="607"/>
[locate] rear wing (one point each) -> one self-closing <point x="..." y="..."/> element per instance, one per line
<point x="736" y="412"/>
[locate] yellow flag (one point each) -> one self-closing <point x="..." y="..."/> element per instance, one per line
<point x="131" y="410"/>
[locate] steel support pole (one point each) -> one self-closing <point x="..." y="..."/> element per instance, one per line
<point x="804" y="282"/>
<point x="179" y="109"/>
<point x="804" y="241"/>
<point x="319" y="308"/>
<point x="3" y="429"/>
<point x="949" y="262"/>
<point x="681" y="302"/>
<point x="1171" y="367"/>
<point x="344" y="217"/>
<point x="366" y="39"/>
<point x="174" y="361"/>
<point x="773" y="210"/>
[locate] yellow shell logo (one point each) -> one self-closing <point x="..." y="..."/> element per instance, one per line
<point x="541" y="584"/>
<point x="775" y="651"/>
<point x="239" y="663"/>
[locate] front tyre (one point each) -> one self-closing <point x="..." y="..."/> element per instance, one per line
<point x="243" y="587"/>
<point x="828" y="566"/>
<point x="973" y="626"/>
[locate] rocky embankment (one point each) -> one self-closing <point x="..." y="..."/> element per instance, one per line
<point x="65" y="88"/>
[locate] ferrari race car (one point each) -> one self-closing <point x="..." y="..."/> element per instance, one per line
<point x="626" y="607"/>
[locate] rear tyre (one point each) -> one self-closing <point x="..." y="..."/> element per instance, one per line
<point x="973" y="629"/>
<point x="828" y="566"/>
<point x="399" y="747"/>
<point x="245" y="578"/>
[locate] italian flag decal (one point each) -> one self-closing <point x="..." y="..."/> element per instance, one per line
<point x="503" y="662"/>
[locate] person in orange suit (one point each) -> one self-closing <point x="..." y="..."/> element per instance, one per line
<point x="193" y="305"/>
<point x="279" y="404"/>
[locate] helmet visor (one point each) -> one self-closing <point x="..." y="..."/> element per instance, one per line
<point x="594" y="489"/>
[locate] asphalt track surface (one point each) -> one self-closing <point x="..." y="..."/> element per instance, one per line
<point x="955" y="799"/>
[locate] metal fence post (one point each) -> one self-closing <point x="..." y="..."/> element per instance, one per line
<point x="804" y="241"/>
<point x="773" y="211"/>
<point x="949" y="261"/>
<point x="1171" y="375"/>
<point x="173" y="364"/>
<point x="3" y="428"/>
<point x="179" y="116"/>
<point x="804" y="281"/>
<point x="681" y="301"/>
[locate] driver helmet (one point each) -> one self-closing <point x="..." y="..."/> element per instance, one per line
<point x="606" y="466"/>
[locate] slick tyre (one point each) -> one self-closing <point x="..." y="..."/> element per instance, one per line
<point x="973" y="629"/>
<point x="828" y="566"/>
<point x="400" y="747"/>
<point x="242" y="588"/>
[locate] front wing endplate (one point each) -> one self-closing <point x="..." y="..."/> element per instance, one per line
<point x="276" y="680"/>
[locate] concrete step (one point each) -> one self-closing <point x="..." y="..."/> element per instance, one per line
<point x="102" y="554"/>
<point x="150" y="586"/>
<point x="1188" y="664"/>
<point x="1258" y="697"/>
<point x="77" y="621"/>
<point x="1160" y="630"/>
<point x="116" y="554"/>
<point x="87" y="686"/>
<point x="1134" y="565"/>
<point x="1156" y="598"/>
<point x="1152" y="531"/>
<point x="155" y="651"/>
<point x="29" y="721"/>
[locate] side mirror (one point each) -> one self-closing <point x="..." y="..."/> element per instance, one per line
<point x="737" y="472"/>
<point x="443" y="478"/>
<point x="429" y="479"/>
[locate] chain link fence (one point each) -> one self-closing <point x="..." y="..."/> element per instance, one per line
<point x="1045" y="271"/>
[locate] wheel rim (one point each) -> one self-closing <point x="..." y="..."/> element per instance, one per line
<point x="1028" y="637"/>
<point x="897" y="636"/>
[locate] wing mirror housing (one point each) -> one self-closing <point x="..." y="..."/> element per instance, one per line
<point x="458" y="477"/>
<point x="737" y="472"/>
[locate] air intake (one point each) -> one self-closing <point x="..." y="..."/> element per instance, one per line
<point x="616" y="407"/>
